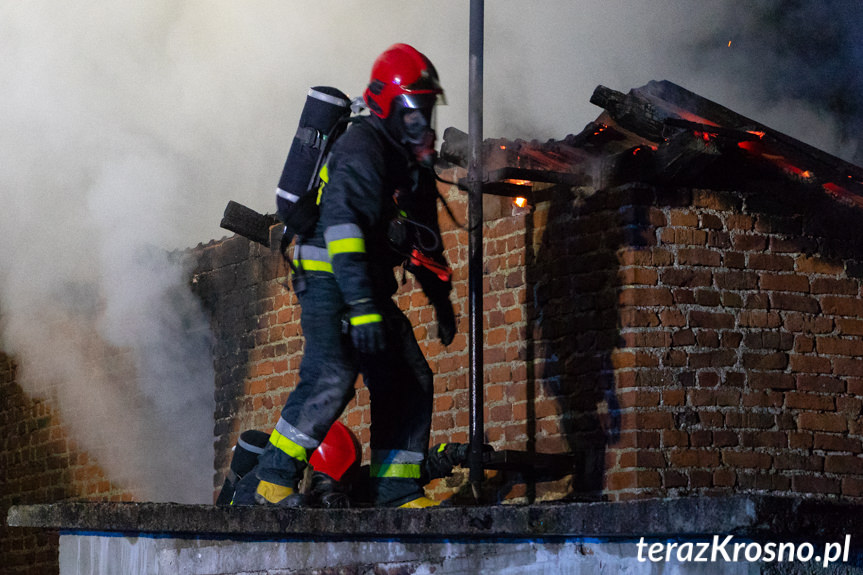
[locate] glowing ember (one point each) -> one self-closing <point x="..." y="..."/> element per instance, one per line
<point x="759" y="134"/>
<point x="520" y="202"/>
<point x="519" y="182"/>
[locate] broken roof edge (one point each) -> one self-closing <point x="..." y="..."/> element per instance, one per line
<point x="753" y="516"/>
<point x="680" y="138"/>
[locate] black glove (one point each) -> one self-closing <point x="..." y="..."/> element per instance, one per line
<point x="445" y="321"/>
<point x="367" y="328"/>
<point x="442" y="458"/>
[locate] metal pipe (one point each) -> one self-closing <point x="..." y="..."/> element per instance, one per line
<point x="475" y="257"/>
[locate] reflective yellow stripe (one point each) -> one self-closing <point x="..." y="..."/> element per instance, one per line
<point x="441" y="447"/>
<point x="406" y="470"/>
<point x="367" y="318"/>
<point x="324" y="174"/>
<point x="346" y="246"/>
<point x="295" y="450"/>
<point x="314" y="265"/>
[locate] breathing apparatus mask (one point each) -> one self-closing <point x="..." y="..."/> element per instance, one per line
<point x="411" y="122"/>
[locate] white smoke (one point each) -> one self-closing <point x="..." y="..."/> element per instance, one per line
<point x="128" y="126"/>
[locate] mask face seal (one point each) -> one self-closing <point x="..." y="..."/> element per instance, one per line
<point x="415" y="124"/>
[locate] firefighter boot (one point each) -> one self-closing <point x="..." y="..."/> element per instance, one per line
<point x="273" y="494"/>
<point x="419" y="503"/>
<point x="326" y="492"/>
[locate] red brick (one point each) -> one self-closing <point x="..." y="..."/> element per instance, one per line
<point x="638" y="276"/>
<point x="847" y="326"/>
<point x="822" y="285"/>
<point x="748" y="242"/>
<point x="711" y="221"/>
<point x="810" y="364"/>
<point x="784" y="282"/>
<point x="794" y="244"/>
<point x="631" y="317"/>
<point x="852" y="487"/>
<point x="772" y="439"/>
<point x="711" y="320"/>
<point x="833" y="442"/>
<point x="683" y="337"/>
<point x="775" y="361"/>
<point x="734" y="260"/>
<point x="759" y="318"/>
<point x="762" y="399"/>
<point x="842" y="306"/>
<point x="815" y="484"/>
<point x="839" y="346"/>
<point x="672" y="318"/>
<point x="654" y="420"/>
<point x="849" y="405"/>
<point x="739" y="221"/>
<point x="693" y="458"/>
<point x="771" y="262"/>
<point x="806" y="323"/>
<point x="820" y="383"/>
<point x="798" y="462"/>
<point x="699" y="257"/>
<point x="792" y="302"/>
<point x="772" y="380"/>
<point x="685" y="277"/>
<point x="718" y="358"/>
<point x="810" y="401"/>
<point x="646" y="339"/>
<point x="847" y="366"/>
<point x="682" y="218"/>
<point x="645" y="297"/>
<point x="800" y="440"/>
<point x="683" y="236"/>
<point x="822" y="422"/>
<point x="737" y="280"/>
<point x="747" y="459"/>
<point x="816" y="265"/>
<point x="645" y="257"/>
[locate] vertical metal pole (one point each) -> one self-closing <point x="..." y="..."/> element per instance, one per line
<point x="475" y="259"/>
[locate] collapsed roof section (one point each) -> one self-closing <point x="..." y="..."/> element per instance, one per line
<point x="665" y="134"/>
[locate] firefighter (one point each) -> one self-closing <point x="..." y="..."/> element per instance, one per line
<point x="378" y="200"/>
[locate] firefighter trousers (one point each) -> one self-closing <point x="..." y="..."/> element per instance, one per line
<point x="401" y="391"/>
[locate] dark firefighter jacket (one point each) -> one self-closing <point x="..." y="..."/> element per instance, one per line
<point x="368" y="182"/>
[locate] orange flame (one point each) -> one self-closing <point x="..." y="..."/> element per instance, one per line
<point x="520" y="202"/>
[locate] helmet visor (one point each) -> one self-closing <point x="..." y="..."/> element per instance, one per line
<point x="422" y="101"/>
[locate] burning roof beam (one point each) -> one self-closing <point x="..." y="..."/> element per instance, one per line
<point x="662" y="111"/>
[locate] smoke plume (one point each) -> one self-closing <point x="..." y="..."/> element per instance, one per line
<point x="128" y="126"/>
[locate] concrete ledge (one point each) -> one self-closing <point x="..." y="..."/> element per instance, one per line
<point x="748" y="516"/>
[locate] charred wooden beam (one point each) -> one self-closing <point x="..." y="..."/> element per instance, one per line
<point x="684" y="157"/>
<point x="730" y="133"/>
<point x="248" y="223"/>
<point x="631" y="112"/>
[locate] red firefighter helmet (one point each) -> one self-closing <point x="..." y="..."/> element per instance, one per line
<point x="339" y="450"/>
<point x="404" y="76"/>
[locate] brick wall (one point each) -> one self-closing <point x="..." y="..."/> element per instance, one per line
<point x="677" y="341"/>
<point x="739" y="366"/>
<point x="39" y="463"/>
